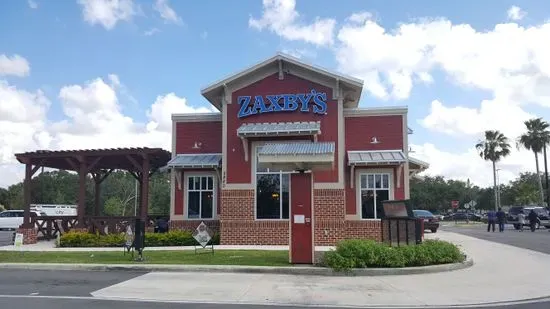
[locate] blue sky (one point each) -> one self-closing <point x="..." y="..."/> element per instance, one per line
<point x="208" y="40"/>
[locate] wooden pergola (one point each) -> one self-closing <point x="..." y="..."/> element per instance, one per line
<point x="100" y="163"/>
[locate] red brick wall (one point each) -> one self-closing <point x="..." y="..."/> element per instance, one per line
<point x="330" y="222"/>
<point x="237" y="224"/>
<point x="238" y="170"/>
<point x="29" y="235"/>
<point x="209" y="134"/>
<point x="389" y="131"/>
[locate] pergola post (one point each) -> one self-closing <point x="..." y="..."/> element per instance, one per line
<point x="27" y="197"/>
<point x="99" y="177"/>
<point x="82" y="172"/>
<point x="145" y="187"/>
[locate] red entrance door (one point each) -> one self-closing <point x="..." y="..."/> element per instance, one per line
<point x="301" y="250"/>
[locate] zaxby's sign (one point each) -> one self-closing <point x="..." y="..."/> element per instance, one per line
<point x="312" y="101"/>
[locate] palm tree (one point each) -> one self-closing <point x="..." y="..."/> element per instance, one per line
<point x="535" y="139"/>
<point x="494" y="147"/>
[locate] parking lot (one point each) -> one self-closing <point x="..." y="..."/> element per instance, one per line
<point x="6" y="238"/>
<point x="537" y="241"/>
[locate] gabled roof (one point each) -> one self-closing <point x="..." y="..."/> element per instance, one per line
<point x="214" y="91"/>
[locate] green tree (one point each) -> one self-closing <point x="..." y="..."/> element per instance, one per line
<point x="3" y="196"/>
<point x="535" y="139"/>
<point x="493" y="148"/>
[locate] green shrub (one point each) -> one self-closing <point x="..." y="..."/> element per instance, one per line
<point x="355" y="253"/>
<point x="171" y="238"/>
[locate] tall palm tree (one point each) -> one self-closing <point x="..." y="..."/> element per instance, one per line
<point x="493" y="148"/>
<point x="535" y="139"/>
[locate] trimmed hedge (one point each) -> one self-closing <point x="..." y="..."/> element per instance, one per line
<point x="357" y="253"/>
<point x="171" y="238"/>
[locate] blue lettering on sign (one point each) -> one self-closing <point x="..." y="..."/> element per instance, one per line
<point x="305" y="102"/>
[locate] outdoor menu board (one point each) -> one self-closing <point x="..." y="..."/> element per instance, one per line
<point x="397" y="209"/>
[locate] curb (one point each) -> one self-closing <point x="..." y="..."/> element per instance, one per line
<point x="284" y="270"/>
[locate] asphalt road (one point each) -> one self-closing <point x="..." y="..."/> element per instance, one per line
<point x="71" y="289"/>
<point x="6" y="238"/>
<point x="537" y="240"/>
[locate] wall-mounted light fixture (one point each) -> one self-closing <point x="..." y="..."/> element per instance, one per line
<point x="374" y="140"/>
<point x="197" y="145"/>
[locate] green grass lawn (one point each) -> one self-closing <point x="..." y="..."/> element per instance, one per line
<point x="221" y="257"/>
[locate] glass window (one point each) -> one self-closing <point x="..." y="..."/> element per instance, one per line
<point x="272" y="193"/>
<point x="200" y="197"/>
<point x="376" y="190"/>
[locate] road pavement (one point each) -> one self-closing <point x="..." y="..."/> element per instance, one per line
<point x="87" y="303"/>
<point x="72" y="289"/>
<point x="6" y="238"/>
<point x="537" y="241"/>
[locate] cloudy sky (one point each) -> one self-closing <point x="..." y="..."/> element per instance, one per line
<point x="109" y="73"/>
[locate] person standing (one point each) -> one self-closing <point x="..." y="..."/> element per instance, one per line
<point x="533" y="218"/>
<point x="491" y="218"/>
<point x="501" y="217"/>
<point x="521" y="220"/>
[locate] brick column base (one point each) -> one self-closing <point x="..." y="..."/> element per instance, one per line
<point x="29" y="235"/>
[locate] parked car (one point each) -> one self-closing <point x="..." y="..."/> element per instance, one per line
<point x="463" y="216"/>
<point x="10" y="220"/>
<point x="430" y="221"/>
<point x="542" y="213"/>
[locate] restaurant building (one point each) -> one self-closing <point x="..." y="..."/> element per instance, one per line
<point x="290" y="159"/>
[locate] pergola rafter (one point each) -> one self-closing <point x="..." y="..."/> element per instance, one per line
<point x="142" y="163"/>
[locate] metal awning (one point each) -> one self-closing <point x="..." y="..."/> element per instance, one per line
<point x="376" y="157"/>
<point x="308" y="156"/>
<point x="203" y="160"/>
<point x="415" y="164"/>
<point x="279" y="128"/>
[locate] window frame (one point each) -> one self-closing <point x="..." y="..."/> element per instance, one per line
<point x="254" y="170"/>
<point x="359" y="189"/>
<point x="214" y="191"/>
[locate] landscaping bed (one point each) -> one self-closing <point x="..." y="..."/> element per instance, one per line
<point x="351" y="254"/>
<point x="172" y="238"/>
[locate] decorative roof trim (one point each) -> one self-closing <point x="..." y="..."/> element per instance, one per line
<point x="196" y="117"/>
<point x="375" y="111"/>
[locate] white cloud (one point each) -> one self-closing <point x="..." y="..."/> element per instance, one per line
<point x="281" y="17"/>
<point x="14" y="65"/>
<point x="300" y="53"/>
<point x="32" y="4"/>
<point x="166" y="12"/>
<point x="469" y="165"/>
<point x="22" y="121"/>
<point x="516" y="13"/>
<point x="151" y="31"/>
<point x="107" y="12"/>
<point x="161" y="111"/>
<point x="93" y="118"/>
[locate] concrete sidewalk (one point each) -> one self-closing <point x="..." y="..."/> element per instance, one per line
<point x="492" y="279"/>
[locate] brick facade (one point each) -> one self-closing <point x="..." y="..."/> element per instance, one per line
<point x="330" y="221"/>
<point x="29" y="235"/>
<point x="238" y="226"/>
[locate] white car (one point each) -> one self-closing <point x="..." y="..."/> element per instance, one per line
<point x="10" y="220"/>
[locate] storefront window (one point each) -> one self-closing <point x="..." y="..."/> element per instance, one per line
<point x="200" y="197"/>
<point x="375" y="188"/>
<point x="272" y="193"/>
